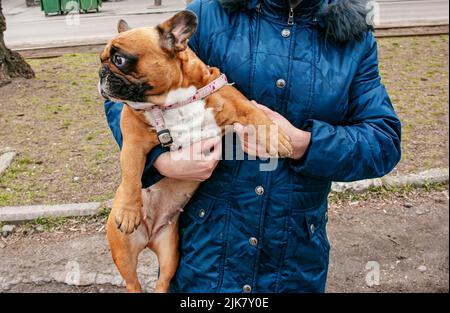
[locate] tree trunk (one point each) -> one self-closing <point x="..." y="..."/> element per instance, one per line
<point x="11" y="63"/>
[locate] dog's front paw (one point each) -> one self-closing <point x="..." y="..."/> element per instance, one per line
<point x="285" y="148"/>
<point x="127" y="220"/>
<point x="275" y="141"/>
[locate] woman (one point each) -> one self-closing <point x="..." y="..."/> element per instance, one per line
<point x="314" y="66"/>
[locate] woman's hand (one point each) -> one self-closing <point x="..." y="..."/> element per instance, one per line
<point x="300" y="139"/>
<point x="196" y="162"/>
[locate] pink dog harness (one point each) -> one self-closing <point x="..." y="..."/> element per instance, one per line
<point x="162" y="131"/>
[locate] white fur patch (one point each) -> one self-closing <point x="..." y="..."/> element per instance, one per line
<point x="189" y="123"/>
<point x="180" y="94"/>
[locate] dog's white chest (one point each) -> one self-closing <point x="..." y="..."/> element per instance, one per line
<point x="189" y="123"/>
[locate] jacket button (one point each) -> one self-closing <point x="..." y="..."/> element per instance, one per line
<point x="259" y="190"/>
<point x="201" y="213"/>
<point x="312" y="228"/>
<point x="247" y="288"/>
<point x="281" y="83"/>
<point x="285" y="33"/>
<point x="253" y="241"/>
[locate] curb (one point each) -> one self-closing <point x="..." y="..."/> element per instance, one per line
<point x="412" y="31"/>
<point x="6" y="157"/>
<point x="26" y="213"/>
<point x="96" y="44"/>
<point x="413" y="23"/>
<point x="437" y="175"/>
<point x="31" y="212"/>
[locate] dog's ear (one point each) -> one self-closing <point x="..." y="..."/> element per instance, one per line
<point x="176" y="31"/>
<point x="122" y="26"/>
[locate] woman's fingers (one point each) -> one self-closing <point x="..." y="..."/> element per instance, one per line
<point x="210" y="143"/>
<point x="216" y="154"/>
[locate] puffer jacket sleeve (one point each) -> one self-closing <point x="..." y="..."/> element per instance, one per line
<point x="368" y="145"/>
<point x="113" y="112"/>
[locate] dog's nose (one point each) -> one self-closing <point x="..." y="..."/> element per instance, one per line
<point x="103" y="71"/>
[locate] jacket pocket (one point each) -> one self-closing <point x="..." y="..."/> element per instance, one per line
<point x="202" y="226"/>
<point x="308" y="224"/>
<point x="200" y="207"/>
<point x="305" y="262"/>
<point x="316" y="223"/>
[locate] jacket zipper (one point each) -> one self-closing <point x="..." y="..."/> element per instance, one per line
<point x="258" y="7"/>
<point x="291" y="16"/>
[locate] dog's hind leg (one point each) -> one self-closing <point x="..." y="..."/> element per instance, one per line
<point x="125" y="250"/>
<point x="165" y="246"/>
<point x="164" y="202"/>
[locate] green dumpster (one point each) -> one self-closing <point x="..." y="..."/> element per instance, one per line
<point x="70" y="6"/>
<point x="90" y="5"/>
<point x="51" y="6"/>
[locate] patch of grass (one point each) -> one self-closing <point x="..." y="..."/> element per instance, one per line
<point x="415" y="70"/>
<point x="63" y="125"/>
<point x="11" y="191"/>
<point x="58" y="223"/>
<point x="104" y="213"/>
<point x="5" y="199"/>
<point x="17" y="167"/>
<point x="50" y="223"/>
<point x="384" y="192"/>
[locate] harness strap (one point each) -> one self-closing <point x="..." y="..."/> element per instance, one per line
<point x="202" y="93"/>
<point x="162" y="131"/>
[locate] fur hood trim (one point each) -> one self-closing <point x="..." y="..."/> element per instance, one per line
<point x="341" y="20"/>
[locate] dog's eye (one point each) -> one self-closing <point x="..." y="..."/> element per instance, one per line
<point x="125" y="63"/>
<point x="119" y="60"/>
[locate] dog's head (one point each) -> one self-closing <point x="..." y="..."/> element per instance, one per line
<point x="144" y="62"/>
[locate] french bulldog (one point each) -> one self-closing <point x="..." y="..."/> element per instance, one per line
<point x="151" y="67"/>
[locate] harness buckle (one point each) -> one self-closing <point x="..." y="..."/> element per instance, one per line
<point x="164" y="137"/>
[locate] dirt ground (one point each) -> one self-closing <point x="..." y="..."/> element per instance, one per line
<point x="402" y="233"/>
<point x="67" y="153"/>
<point x="405" y="232"/>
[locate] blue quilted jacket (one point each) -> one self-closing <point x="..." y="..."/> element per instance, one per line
<point x="251" y="231"/>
